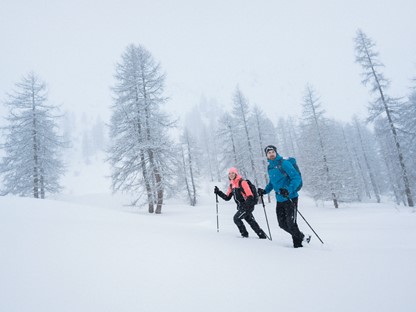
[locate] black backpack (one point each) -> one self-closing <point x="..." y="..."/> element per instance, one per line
<point x="253" y="190"/>
<point x="292" y="160"/>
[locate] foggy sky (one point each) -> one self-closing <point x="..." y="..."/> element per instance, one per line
<point x="270" y="49"/>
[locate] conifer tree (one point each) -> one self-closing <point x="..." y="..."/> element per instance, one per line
<point x="363" y="147"/>
<point x="263" y="133"/>
<point x="141" y="153"/>
<point x="33" y="148"/>
<point x="384" y="107"/>
<point x="241" y="115"/>
<point x="227" y="138"/>
<point x="190" y="166"/>
<point x="316" y="154"/>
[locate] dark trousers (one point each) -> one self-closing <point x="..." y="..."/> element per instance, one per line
<point x="286" y="217"/>
<point x="247" y="214"/>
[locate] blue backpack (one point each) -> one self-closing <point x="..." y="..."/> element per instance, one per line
<point x="292" y="160"/>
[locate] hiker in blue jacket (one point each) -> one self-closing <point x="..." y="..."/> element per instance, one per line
<point x="285" y="180"/>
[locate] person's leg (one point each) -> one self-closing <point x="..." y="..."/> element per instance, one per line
<point x="286" y="216"/>
<point x="281" y="216"/>
<point x="292" y="226"/>
<point x="254" y="225"/>
<point x="239" y="215"/>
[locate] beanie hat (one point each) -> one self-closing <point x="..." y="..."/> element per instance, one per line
<point x="270" y="148"/>
<point x="233" y="170"/>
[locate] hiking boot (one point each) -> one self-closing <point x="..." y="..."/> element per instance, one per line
<point x="297" y="243"/>
<point x="244" y="234"/>
<point x="262" y="235"/>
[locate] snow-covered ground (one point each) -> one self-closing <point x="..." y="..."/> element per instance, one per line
<point x="85" y="251"/>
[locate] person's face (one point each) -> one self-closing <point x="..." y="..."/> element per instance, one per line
<point x="231" y="175"/>
<point x="271" y="155"/>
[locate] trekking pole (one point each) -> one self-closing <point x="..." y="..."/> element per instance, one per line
<point x="218" y="226"/>
<point x="267" y="221"/>
<point x="293" y="205"/>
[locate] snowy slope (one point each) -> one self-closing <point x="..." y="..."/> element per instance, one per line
<point x="62" y="256"/>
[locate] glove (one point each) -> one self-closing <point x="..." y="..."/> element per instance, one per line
<point x="260" y="191"/>
<point x="216" y="190"/>
<point x="284" y="192"/>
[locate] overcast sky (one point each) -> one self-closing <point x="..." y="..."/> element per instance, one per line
<point x="270" y="48"/>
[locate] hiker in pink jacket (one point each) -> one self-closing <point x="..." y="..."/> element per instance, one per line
<point x="240" y="190"/>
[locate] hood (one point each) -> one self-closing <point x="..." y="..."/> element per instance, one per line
<point x="237" y="177"/>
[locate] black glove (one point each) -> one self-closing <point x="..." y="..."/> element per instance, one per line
<point x="284" y="192"/>
<point x="216" y="190"/>
<point x="260" y="191"/>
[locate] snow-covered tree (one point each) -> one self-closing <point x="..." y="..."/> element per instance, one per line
<point x="340" y="166"/>
<point x="365" y="150"/>
<point x="33" y="148"/>
<point x="315" y="154"/>
<point x="383" y="107"/>
<point x="361" y="150"/>
<point x="190" y="166"/>
<point x="407" y="134"/>
<point x="141" y="151"/>
<point x="263" y="134"/>
<point x="201" y="121"/>
<point x="285" y="145"/>
<point x="245" y="150"/>
<point x="287" y="136"/>
<point x="227" y="138"/>
<point x="390" y="160"/>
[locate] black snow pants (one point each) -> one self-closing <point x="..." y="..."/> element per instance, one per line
<point x="286" y="217"/>
<point x="247" y="214"/>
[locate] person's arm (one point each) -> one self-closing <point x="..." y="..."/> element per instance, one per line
<point x="268" y="188"/>
<point x="227" y="196"/>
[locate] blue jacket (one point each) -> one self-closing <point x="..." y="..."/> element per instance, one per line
<point x="278" y="180"/>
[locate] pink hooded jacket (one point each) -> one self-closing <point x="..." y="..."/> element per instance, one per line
<point x="236" y="184"/>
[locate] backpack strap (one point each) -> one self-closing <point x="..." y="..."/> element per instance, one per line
<point x="241" y="187"/>
<point x="280" y="167"/>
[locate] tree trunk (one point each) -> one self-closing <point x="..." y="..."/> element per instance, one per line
<point x="350" y="162"/>
<point x="42" y="185"/>
<point x="325" y="161"/>
<point x="396" y="141"/>
<point x="193" y="198"/>
<point x="188" y="190"/>
<point x="264" y="162"/>
<point x="149" y="193"/>
<point x="250" y="150"/>
<point x="367" y="163"/>
<point x="35" y="152"/>
<point x="360" y="169"/>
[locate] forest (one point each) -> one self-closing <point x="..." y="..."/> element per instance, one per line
<point x="362" y="160"/>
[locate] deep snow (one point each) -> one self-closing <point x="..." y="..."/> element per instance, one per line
<point x="91" y="253"/>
